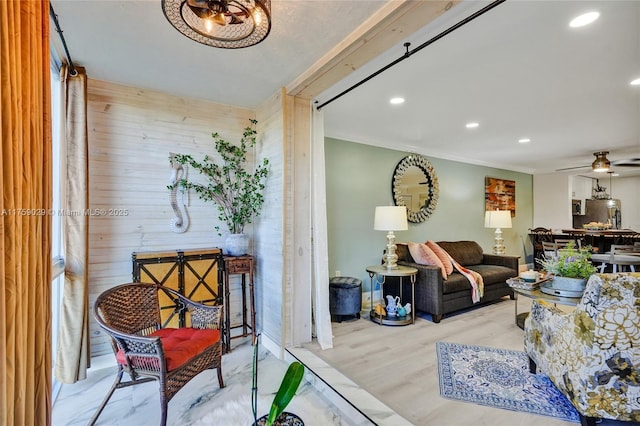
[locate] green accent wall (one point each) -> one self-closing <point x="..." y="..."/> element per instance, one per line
<point x="358" y="179"/>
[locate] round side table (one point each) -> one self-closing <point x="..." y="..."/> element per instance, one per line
<point x="381" y="273"/>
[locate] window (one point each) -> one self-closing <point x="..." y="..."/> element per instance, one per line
<point x="57" y="252"/>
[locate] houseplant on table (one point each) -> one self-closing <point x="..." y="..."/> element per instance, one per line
<point x="570" y="267"/>
<point x="236" y="191"/>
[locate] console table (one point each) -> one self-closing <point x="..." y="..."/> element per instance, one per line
<point x="195" y="273"/>
<point x="239" y="265"/>
<point x="383" y="272"/>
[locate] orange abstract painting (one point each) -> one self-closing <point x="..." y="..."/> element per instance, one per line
<point x="500" y="194"/>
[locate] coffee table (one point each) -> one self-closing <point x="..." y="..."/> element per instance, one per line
<point x="538" y="294"/>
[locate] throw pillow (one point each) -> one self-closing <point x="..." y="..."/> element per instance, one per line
<point x="423" y="255"/>
<point x="442" y="255"/>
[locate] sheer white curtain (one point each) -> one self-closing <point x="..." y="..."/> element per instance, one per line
<point x="319" y="222"/>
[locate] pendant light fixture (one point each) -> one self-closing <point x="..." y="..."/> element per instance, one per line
<point x="601" y="163"/>
<point x="229" y="24"/>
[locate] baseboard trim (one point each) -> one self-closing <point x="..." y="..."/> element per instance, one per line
<point x="272" y="346"/>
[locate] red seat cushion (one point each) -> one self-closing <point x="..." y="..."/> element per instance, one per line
<point x="181" y="344"/>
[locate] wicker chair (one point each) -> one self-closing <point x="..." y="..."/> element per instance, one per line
<point x="130" y="314"/>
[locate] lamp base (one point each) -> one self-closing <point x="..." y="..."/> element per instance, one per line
<point x="390" y="257"/>
<point x="498" y="242"/>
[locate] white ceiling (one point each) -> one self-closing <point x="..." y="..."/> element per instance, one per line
<point x="131" y="42"/>
<point x="518" y="70"/>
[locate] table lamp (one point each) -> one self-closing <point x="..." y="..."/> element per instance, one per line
<point x="390" y="218"/>
<point x="498" y="219"/>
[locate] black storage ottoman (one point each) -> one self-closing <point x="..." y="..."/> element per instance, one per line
<point x="345" y="298"/>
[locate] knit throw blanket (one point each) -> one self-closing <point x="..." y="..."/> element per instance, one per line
<point x="475" y="279"/>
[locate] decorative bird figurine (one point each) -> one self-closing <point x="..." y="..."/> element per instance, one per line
<point x="407" y="308"/>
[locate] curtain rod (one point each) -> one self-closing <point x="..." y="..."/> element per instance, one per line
<point x="408" y="52"/>
<point x="52" y="13"/>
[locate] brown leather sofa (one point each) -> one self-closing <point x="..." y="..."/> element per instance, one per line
<point x="438" y="297"/>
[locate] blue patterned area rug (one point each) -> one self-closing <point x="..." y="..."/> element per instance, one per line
<point x="498" y="378"/>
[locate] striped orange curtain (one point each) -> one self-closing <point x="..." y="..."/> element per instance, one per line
<point x="25" y="231"/>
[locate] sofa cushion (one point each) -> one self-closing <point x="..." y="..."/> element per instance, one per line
<point x="423" y="255"/>
<point x="442" y="255"/>
<point x="466" y="253"/>
<point x="402" y="250"/>
<point x="492" y="274"/>
<point x="455" y="283"/>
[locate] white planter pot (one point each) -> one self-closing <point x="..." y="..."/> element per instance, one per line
<point x="237" y="244"/>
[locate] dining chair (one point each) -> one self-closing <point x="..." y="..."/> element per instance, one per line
<point x="562" y="243"/>
<point x="548" y="249"/>
<point x="619" y="257"/>
<point x="625" y="256"/>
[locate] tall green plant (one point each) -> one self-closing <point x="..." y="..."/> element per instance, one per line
<point x="236" y="191"/>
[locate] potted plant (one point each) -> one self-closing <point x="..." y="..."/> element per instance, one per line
<point x="570" y="267"/>
<point x="286" y="392"/>
<point x="236" y="191"/>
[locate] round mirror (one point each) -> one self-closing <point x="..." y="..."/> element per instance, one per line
<point x="415" y="186"/>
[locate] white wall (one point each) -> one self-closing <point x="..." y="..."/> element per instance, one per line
<point x="283" y="232"/>
<point x="131" y="133"/>
<point x="552" y="201"/>
<point x="628" y="191"/>
<point x="270" y="226"/>
<point x="580" y="190"/>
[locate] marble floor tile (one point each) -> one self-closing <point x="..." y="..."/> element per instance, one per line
<point x="201" y="402"/>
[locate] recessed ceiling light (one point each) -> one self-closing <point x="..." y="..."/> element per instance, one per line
<point x="635" y="82"/>
<point x="615" y="174"/>
<point x="524" y="140"/>
<point x="472" y="125"/>
<point x="584" y="19"/>
<point x="396" y="101"/>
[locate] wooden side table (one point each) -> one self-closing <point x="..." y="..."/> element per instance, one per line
<point x="239" y="265"/>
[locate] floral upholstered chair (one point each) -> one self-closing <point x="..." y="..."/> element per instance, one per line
<point x="592" y="354"/>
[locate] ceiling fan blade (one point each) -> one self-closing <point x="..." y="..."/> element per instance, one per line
<point x="200" y="8"/>
<point x="629" y="162"/>
<point x="573" y="168"/>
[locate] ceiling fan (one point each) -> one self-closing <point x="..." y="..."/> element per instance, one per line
<point x="219" y="12"/>
<point x="602" y="163"/>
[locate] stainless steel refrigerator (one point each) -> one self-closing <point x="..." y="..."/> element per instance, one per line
<point x="605" y="211"/>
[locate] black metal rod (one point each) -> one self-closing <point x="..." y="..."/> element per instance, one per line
<point x="52" y="13"/>
<point x="408" y="53"/>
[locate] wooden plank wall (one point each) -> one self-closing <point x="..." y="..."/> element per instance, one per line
<point x="131" y="133"/>
<point x="270" y="234"/>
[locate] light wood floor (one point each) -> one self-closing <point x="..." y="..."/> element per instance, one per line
<point x="398" y="365"/>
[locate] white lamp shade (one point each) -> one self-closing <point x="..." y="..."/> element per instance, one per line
<point x="497" y="219"/>
<point x="390" y="218"/>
